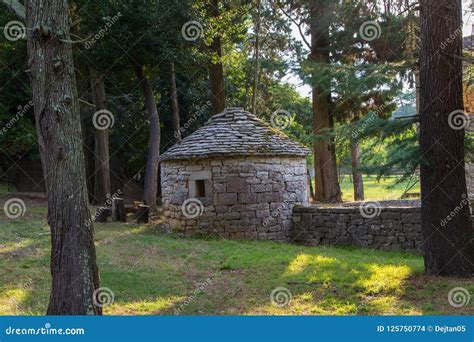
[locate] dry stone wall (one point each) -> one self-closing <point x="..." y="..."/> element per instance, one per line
<point x="391" y="228"/>
<point x="245" y="197"/>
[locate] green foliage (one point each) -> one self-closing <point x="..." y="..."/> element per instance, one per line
<point x="17" y="132"/>
<point x="367" y="80"/>
<point x="364" y="79"/>
<point x="387" y="145"/>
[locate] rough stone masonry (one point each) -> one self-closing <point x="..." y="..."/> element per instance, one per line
<point x="246" y="197"/>
<point x="384" y="226"/>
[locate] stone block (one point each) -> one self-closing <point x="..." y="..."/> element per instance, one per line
<point x="263" y="213"/>
<point x="226" y="199"/>
<point x="247" y="198"/>
<point x="237" y="184"/>
<point x="222" y="208"/>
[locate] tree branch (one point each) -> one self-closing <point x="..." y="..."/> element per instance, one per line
<point x="17" y="7"/>
<point x="297" y="24"/>
<point x="86" y="103"/>
<point x="462" y="58"/>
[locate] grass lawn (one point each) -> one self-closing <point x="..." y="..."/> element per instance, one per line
<point x="151" y="272"/>
<point x="4" y="188"/>
<point x="383" y="189"/>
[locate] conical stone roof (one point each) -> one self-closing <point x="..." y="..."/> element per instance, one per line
<point x="235" y="132"/>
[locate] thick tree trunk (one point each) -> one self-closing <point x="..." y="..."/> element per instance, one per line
<point x="88" y="145"/>
<point x="326" y="183"/>
<point x="83" y="85"/>
<point x="448" y="245"/>
<point x="73" y="259"/>
<point x="417" y="91"/>
<point x="102" y="167"/>
<point x="174" y="104"/>
<point x="151" y="171"/>
<point x="257" y="51"/>
<point x="358" y="183"/>
<point x="118" y="210"/>
<point x="216" y="71"/>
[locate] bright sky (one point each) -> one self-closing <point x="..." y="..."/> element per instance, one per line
<point x="305" y="90"/>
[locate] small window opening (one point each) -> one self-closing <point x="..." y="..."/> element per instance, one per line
<point x="200" y="188"/>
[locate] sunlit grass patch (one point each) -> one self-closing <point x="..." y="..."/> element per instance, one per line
<point x="385" y="279"/>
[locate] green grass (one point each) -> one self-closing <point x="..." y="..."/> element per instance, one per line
<point x="151" y="272"/>
<point x="4" y="188"/>
<point x="383" y="189"/>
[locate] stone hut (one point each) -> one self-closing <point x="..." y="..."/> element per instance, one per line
<point x="236" y="177"/>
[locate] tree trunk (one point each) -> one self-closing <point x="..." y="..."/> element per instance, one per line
<point x="174" y="104"/>
<point x="358" y="183"/>
<point x="74" y="271"/>
<point x="326" y="183"/>
<point x="118" y="210"/>
<point x="102" y="166"/>
<point x="417" y="91"/>
<point x="142" y="214"/>
<point x="256" y="71"/>
<point x="311" y="189"/>
<point x="216" y="71"/>
<point x="151" y="171"/>
<point x="88" y="145"/>
<point x="448" y="246"/>
<point x="83" y="85"/>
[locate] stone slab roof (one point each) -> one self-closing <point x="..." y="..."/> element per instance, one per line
<point x="235" y="132"/>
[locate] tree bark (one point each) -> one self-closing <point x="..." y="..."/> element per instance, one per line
<point x="118" y="210"/>
<point x="448" y="246"/>
<point x="174" y="104"/>
<point x="88" y="145"/>
<point x="216" y="71"/>
<point x="74" y="271"/>
<point x="142" y="214"/>
<point x="257" y="51"/>
<point x="357" y="180"/>
<point x="102" y="163"/>
<point x="151" y="171"/>
<point x="326" y="183"/>
<point x="83" y="86"/>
